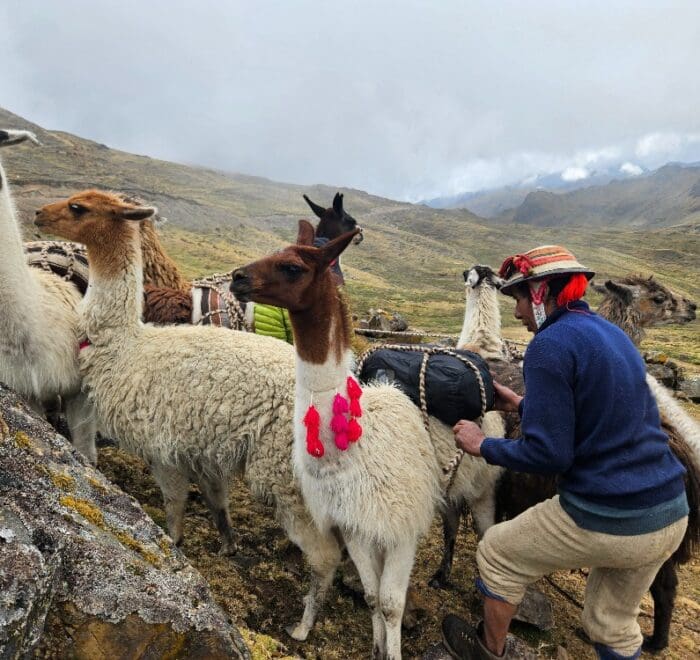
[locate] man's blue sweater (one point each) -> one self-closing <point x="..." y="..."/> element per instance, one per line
<point x="589" y="417"/>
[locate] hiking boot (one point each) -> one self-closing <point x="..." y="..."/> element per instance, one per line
<point x="463" y="641"/>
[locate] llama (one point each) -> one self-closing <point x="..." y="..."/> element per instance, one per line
<point x="226" y="403"/>
<point x="382" y="489"/>
<point x="518" y="492"/>
<point x="482" y="317"/>
<point x="636" y="302"/>
<point x="38" y="326"/>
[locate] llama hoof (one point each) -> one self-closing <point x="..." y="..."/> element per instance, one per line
<point x="297" y="632"/>
<point x="228" y="549"/>
<point x="652" y="645"/>
<point x="438" y="582"/>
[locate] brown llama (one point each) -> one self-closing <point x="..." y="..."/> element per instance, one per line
<point x="168" y="297"/>
<point x="636" y="302"/>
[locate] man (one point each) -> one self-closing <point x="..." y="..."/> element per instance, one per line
<point x="588" y="417"/>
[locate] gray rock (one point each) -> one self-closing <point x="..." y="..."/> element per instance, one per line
<point x="84" y="572"/>
<point x="691" y="388"/>
<point x="536" y="609"/>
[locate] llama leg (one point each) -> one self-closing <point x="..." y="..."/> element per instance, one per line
<point x="398" y="563"/>
<point x="484" y="512"/>
<point x="80" y="416"/>
<point x="368" y="564"/>
<point x="215" y="493"/>
<point x="663" y="591"/>
<point x="175" y="486"/>
<point x="323" y="553"/>
<point x="450" y="527"/>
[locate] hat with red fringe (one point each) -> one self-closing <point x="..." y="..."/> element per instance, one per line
<point x="540" y="262"/>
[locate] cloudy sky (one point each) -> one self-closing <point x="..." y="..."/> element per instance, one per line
<point x="407" y="99"/>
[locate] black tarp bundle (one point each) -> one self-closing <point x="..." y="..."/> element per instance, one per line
<point x="452" y="388"/>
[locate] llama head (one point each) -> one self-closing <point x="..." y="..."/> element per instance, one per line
<point x="334" y="221"/>
<point x="10" y="136"/>
<point x="92" y="217"/>
<point x="651" y="302"/>
<point x="295" y="277"/>
<point x="479" y="275"/>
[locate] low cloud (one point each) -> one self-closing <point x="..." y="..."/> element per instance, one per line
<point x="571" y="174"/>
<point x="631" y="169"/>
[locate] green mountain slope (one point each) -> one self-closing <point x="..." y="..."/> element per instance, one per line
<point x="411" y="259"/>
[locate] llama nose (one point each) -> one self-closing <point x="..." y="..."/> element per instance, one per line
<point x="238" y="279"/>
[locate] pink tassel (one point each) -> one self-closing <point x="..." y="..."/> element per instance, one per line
<point x="355" y="408"/>
<point x="354" y="389"/>
<point x="340" y="405"/>
<point x="354" y="430"/>
<point x="341" y="441"/>
<point x="339" y="424"/>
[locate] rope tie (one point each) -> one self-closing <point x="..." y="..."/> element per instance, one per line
<point x="450" y="470"/>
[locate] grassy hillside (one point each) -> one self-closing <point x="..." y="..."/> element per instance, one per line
<point x="412" y="257"/>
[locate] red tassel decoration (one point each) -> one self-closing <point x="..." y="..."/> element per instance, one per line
<point x="354" y="389"/>
<point x="354" y="394"/>
<point x="340" y="405"/>
<point x="339" y="424"/>
<point x="312" y="421"/>
<point x="574" y="289"/>
<point x="341" y="441"/>
<point x="355" y="408"/>
<point x="354" y="430"/>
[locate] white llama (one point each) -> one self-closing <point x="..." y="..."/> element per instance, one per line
<point x="381" y="491"/>
<point x="39" y="326"/>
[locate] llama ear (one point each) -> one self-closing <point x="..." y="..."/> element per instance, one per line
<point x="620" y="290"/>
<point x="333" y="249"/>
<point x="598" y="288"/>
<point x="338" y="204"/>
<point x="140" y="213"/>
<point x="318" y="210"/>
<point x="306" y="234"/>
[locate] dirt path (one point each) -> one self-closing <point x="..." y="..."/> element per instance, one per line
<point x="262" y="588"/>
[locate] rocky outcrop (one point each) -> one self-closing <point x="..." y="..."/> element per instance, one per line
<point x="84" y="572"/>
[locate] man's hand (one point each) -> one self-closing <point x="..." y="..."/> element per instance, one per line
<point x="468" y="437"/>
<point x="505" y="400"/>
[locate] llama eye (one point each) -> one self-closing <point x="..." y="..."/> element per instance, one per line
<point x="659" y="299"/>
<point x="291" y="270"/>
<point x="77" y="209"/>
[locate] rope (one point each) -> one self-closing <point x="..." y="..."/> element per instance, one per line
<point x="220" y="283"/>
<point x="450" y="470"/>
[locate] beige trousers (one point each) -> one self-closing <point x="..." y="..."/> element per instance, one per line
<point x="543" y="539"/>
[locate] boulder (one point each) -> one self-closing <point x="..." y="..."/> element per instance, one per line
<point x="690" y="386"/>
<point x="84" y="572"/>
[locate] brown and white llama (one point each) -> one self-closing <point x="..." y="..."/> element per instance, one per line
<point x="382" y="489"/>
<point x="518" y="491"/>
<point x="168" y="297"/>
<point x="39" y="326"/>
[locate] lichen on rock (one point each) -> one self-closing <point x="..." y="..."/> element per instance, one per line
<point x="84" y="572"/>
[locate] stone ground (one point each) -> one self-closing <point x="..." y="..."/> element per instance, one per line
<point x="262" y="587"/>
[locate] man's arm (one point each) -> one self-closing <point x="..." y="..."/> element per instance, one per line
<point x="548" y="416"/>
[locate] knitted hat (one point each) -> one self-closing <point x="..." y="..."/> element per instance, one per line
<point x="543" y="261"/>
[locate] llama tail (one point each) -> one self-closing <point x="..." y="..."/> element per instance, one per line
<point x="691" y="541"/>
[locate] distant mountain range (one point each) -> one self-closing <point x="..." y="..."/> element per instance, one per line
<point x="667" y="196"/>
<point x="412" y="257"/>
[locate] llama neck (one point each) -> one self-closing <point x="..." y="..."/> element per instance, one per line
<point x="114" y="298"/>
<point x="19" y="290"/>
<point x="322" y="341"/>
<point x="625" y="317"/>
<point x="482" y="322"/>
<point x="158" y="268"/>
